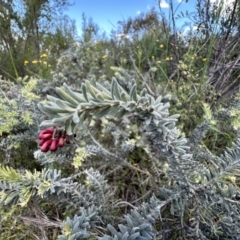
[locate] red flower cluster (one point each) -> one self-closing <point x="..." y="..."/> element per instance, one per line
<point x="51" y="139"/>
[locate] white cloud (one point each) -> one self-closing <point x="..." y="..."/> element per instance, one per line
<point x="138" y="12"/>
<point x="180" y="1"/>
<point x="164" y="4"/>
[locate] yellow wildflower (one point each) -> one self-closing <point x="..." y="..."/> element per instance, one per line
<point x="157" y="40"/>
<point x="45" y="62"/>
<point x="104" y="56"/>
<point x="34" y="61"/>
<point x="26" y="62"/>
<point x="158" y="61"/>
<point x="168" y="59"/>
<point x="49" y="65"/>
<point x="43" y="55"/>
<point x="161" y="46"/>
<point x="153" y="57"/>
<point x="204" y="59"/>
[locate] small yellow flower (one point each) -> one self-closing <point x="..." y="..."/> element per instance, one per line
<point x="192" y="57"/>
<point x="204" y="59"/>
<point x="45" y="62"/>
<point x="43" y="55"/>
<point x="49" y="65"/>
<point x="153" y="57"/>
<point x="158" y="61"/>
<point x="104" y="56"/>
<point x="197" y="75"/>
<point x="177" y="47"/>
<point x="26" y="62"/>
<point x="157" y="40"/>
<point x="168" y="59"/>
<point x="35" y="61"/>
<point x="161" y="46"/>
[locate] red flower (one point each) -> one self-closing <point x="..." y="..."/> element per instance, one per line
<point x="51" y="139"/>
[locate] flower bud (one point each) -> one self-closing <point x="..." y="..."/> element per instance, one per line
<point x="45" y="136"/>
<point x="46" y="131"/>
<point x="61" y="142"/>
<point x="41" y="142"/>
<point x="54" y="145"/>
<point x="46" y="144"/>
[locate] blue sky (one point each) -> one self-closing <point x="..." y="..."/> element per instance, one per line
<point x="106" y="13"/>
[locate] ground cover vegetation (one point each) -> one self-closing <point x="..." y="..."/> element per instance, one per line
<point x="129" y="136"/>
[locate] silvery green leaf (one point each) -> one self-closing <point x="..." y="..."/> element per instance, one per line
<point x="64" y="106"/>
<point x="133" y="236"/>
<point x="164" y="107"/>
<point x="65" y="96"/>
<point x="46" y="111"/>
<point x="83" y="116"/>
<point x="69" y="128"/>
<point x="113" y="88"/>
<point x="73" y="237"/>
<point x="180" y="150"/>
<point x="75" y="228"/>
<point x="101" y="112"/>
<point x="112" y="112"/>
<point x="186" y="156"/>
<point x="150" y="128"/>
<point x="117" y="92"/>
<point x="158" y="100"/>
<point x="92" y="90"/>
<point x="112" y="229"/>
<point x="54" y="99"/>
<point x="124" y="97"/>
<point x="62" y="237"/>
<point x="120" y="114"/>
<point x="122" y="228"/>
<point x="84" y="91"/>
<point x="133" y="93"/>
<point x="54" y="108"/>
<point x="83" y="235"/>
<point x="62" y="119"/>
<point x="103" y="89"/>
<point x="100" y="97"/>
<point x="75" y="95"/>
<point x="157" y="114"/>
<point x="47" y="123"/>
<point x="146" y="235"/>
<point x="125" y="236"/>
<point x="148" y="119"/>
<point x="75" y="117"/>
<point x="69" y="222"/>
<point x="143" y="92"/>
